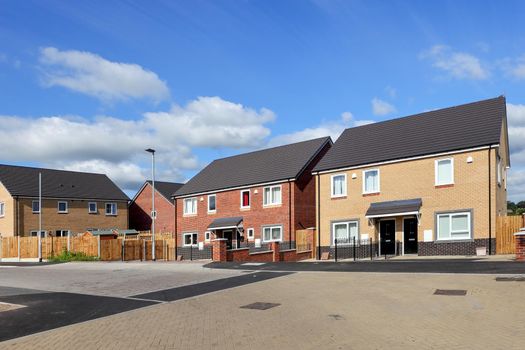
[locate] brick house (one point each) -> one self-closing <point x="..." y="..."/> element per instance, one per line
<point x="251" y="199"/>
<point x="140" y="207"/>
<point x="433" y="183"/>
<point x="71" y="202"/>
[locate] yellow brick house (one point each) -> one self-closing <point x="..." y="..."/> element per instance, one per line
<point x="427" y="184"/>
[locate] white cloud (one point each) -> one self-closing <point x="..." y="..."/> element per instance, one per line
<point x="455" y="64"/>
<point x="331" y="128"/>
<point x="93" y="75"/>
<point x="380" y="107"/>
<point x="514" y="68"/>
<point x="116" y="146"/>
<point x="516" y="177"/>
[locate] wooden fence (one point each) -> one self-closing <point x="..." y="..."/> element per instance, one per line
<point x="304" y="241"/>
<point x="106" y="250"/>
<point x="506" y="226"/>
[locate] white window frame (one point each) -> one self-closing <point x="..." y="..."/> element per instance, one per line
<point x="270" y="188"/>
<point x="345" y="188"/>
<point x="112" y="213"/>
<point x="436" y="178"/>
<point x="249" y="199"/>
<point x="214" y="210"/>
<point x="2" y="209"/>
<point x="450" y="215"/>
<point x="33" y="208"/>
<point x="62" y="211"/>
<point x="184" y="205"/>
<point x="250" y="233"/>
<point x="35" y="232"/>
<point x="347" y="223"/>
<point x="89" y="208"/>
<point x="378" y="181"/>
<point x="193" y="243"/>
<point x="62" y="233"/>
<point x="499" y="170"/>
<point x="207" y="236"/>
<point x="271" y="227"/>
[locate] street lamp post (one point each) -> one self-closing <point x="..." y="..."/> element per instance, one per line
<point x="153" y="213"/>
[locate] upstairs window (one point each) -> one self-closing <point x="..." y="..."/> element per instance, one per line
<point x="444" y="172"/>
<point x="212" y="199"/>
<point x="338" y="187"/>
<point x="36" y="207"/>
<point x="245" y="199"/>
<point x="2" y="209"/>
<point x="371" y="181"/>
<point x="272" y="195"/>
<point x="111" y="209"/>
<point x="190" y="206"/>
<point x="62" y="207"/>
<point x="92" y="207"/>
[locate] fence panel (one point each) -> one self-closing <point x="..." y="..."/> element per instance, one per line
<point x="28" y="247"/>
<point x="133" y="249"/>
<point x="84" y="244"/>
<point x="10" y="247"/>
<point x="110" y="249"/>
<point x="506" y="226"/>
<point x="304" y="240"/>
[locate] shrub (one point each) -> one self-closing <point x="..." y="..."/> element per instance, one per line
<point x="66" y="256"/>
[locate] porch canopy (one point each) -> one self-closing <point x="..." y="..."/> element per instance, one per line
<point x="226" y="223"/>
<point x="394" y="208"/>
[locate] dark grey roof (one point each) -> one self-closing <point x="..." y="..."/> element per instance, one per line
<point x="272" y="164"/>
<point x="449" y="129"/>
<point x="394" y="207"/>
<point x="225" y="222"/>
<point x="23" y="181"/>
<point x="166" y="189"/>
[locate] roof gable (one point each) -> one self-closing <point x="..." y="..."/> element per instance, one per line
<point x="268" y="165"/>
<point x="444" y="130"/>
<point x="23" y="181"/>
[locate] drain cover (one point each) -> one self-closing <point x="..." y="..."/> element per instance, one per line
<point x="510" y="279"/>
<point x="260" y="306"/>
<point x="459" y="292"/>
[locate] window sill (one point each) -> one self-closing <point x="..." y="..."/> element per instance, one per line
<point x="93" y="213"/>
<point x="212" y="212"/>
<point x="371" y="194"/>
<point x="272" y="205"/>
<point x="245" y="208"/>
<point x="190" y="246"/>
<point x="444" y="186"/>
<point x="463" y="240"/>
<point x="278" y="240"/>
<point x="188" y="215"/>
<point x="62" y="212"/>
<point x="338" y="197"/>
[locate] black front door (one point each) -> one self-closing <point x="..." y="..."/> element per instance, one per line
<point x="387" y="232"/>
<point x="229" y="236"/>
<point x="410" y="238"/>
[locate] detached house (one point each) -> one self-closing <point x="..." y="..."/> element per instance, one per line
<point x="140" y="207"/>
<point x="253" y="198"/>
<point x="71" y="202"/>
<point x="433" y="183"/>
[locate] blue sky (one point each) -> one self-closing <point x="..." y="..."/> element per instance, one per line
<point x="89" y="85"/>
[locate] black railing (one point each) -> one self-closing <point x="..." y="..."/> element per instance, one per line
<point x="352" y="248"/>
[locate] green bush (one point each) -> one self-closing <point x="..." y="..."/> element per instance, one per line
<point x="66" y="256"/>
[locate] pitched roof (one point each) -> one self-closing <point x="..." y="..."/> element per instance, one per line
<point x="268" y="165"/>
<point x="449" y="129"/>
<point x="166" y="189"/>
<point x="23" y="181"/>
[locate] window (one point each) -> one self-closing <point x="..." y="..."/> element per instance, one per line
<point x="444" y="171"/>
<point x="345" y="232"/>
<point x="245" y="199"/>
<point x="250" y="233"/>
<point x="62" y="207"/>
<point x="92" y="207"/>
<point x="190" y="206"/>
<point x="111" y="208"/>
<point x="2" y="209"/>
<point x="272" y="195"/>
<point x="453" y="226"/>
<point x="35" y="233"/>
<point x="371" y="181"/>
<point x="207" y="236"/>
<point x="189" y="239"/>
<point x="212" y="199"/>
<point x="36" y="207"/>
<point x="272" y="234"/>
<point x="499" y="171"/>
<point x="61" y="233"/>
<point x="338" y="185"/>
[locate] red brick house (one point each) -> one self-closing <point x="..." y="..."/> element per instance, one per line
<point x="140" y="207"/>
<point x="251" y="199"/>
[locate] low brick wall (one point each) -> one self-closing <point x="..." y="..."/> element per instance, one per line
<point x="244" y="255"/>
<point x="454" y="248"/>
<point x="292" y="255"/>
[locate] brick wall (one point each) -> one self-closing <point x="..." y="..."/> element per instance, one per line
<point x="7" y="222"/>
<point x="140" y="211"/>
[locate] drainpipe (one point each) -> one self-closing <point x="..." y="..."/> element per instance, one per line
<point x="318" y="217"/>
<point x="290" y="214"/>
<point x="490" y="202"/>
<point x="175" y="225"/>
